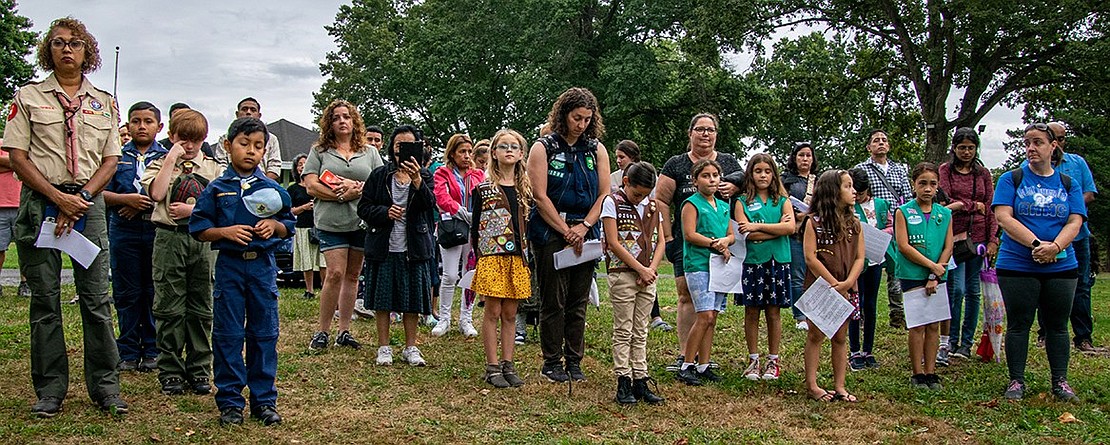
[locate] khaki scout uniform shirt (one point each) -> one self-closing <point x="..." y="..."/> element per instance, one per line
<point x="36" y="124"/>
<point x="271" y="158"/>
<point x="203" y="166"/>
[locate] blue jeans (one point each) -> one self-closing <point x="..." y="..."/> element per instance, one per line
<point x="246" y="295"/>
<point x="131" y="247"/>
<point x="963" y="300"/>
<point x="797" y="276"/>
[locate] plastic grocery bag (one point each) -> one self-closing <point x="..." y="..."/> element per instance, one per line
<point x="994" y="315"/>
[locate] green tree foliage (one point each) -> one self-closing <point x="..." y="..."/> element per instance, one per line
<point x="16" y="43"/>
<point x="832" y="92"/>
<point x="479" y="66"/>
<point x="991" y="50"/>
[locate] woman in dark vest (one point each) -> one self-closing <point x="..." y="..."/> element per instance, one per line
<point x="569" y="169"/>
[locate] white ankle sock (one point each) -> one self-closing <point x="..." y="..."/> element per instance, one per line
<point x="703" y="367"/>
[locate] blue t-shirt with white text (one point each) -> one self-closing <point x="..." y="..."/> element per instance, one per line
<point x="1043" y="206"/>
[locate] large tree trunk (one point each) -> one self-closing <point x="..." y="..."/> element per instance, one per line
<point x="936" y="141"/>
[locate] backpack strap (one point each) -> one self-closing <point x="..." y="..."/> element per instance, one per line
<point x="1018" y="173"/>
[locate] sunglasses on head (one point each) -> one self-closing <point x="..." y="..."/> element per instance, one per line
<point x="1041" y="126"/>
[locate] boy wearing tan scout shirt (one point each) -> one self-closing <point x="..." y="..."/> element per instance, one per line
<point x="182" y="274"/>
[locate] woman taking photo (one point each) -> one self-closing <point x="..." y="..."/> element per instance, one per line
<point x="306" y="250"/>
<point x="799" y="180"/>
<point x="1040" y="211"/>
<point x="970" y="190"/>
<point x="399" y="211"/>
<point x="569" y="169"/>
<point x="453" y="185"/>
<point x="334" y="174"/>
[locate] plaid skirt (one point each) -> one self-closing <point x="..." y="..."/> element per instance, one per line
<point x="399" y="285"/>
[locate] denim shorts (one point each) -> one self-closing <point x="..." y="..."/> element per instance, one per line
<point x="355" y="239"/>
<point x="7" y="227"/>
<point x="703" y="299"/>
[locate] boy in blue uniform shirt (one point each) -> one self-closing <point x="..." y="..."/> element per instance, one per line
<point x="245" y="215"/>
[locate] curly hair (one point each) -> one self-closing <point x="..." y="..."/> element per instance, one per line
<point x="571" y="100"/>
<point x="92" y="50"/>
<point x="327" y="134"/>
<point x="523" y="184"/>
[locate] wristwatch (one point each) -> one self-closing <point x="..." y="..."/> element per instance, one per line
<point x="85" y="195"/>
<point x="1036" y="243"/>
<point x="932" y="277"/>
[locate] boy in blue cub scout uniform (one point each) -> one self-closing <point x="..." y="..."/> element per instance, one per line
<point x="245" y="215"/>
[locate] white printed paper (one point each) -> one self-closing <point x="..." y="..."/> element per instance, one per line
<point x="922" y="310"/>
<point x="726" y="277"/>
<point x="799" y="205"/>
<point x="740" y="247"/>
<point x="825" y="307"/>
<point x="875" y="243"/>
<point x="74" y="244"/>
<point x="591" y="250"/>
<point x="467" y="279"/>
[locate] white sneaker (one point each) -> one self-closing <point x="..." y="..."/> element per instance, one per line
<point x="385" y="356"/>
<point x="361" y="310"/>
<point x="467" y="328"/>
<point x="802" y="325"/>
<point x="411" y="354"/>
<point x="441" y="327"/>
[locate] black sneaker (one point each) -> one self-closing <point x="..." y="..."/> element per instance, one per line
<point x="677" y="365"/>
<point x="200" y="386"/>
<point x="933" y="382"/>
<point x="574" y="370"/>
<point x="709" y="375"/>
<point x="319" y="343"/>
<point x="24" y="289"/>
<point x="231" y="416"/>
<point x="554" y="373"/>
<point x="1063" y="391"/>
<point x="689" y="376"/>
<point x="871" y="362"/>
<point x="47" y="407"/>
<point x="919" y="381"/>
<point x="1015" y="390"/>
<point x="308" y="295"/>
<point x="268" y="415"/>
<point x="113" y="404"/>
<point x="857" y="363"/>
<point x="127" y="366"/>
<point x="173" y="386"/>
<point x="345" y="339"/>
<point x="148" y="364"/>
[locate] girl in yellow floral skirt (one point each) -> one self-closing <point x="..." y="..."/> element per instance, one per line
<point x="500" y="207"/>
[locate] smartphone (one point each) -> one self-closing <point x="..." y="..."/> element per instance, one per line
<point x="413" y="150"/>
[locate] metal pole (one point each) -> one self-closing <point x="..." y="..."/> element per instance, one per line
<point x="115" y="83"/>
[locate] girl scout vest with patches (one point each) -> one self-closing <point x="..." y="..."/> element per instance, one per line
<point x="572" y="184"/>
<point x="496" y="234"/>
<point x="925" y="235"/>
<point x="637" y="235"/>
<point x="766" y="212"/>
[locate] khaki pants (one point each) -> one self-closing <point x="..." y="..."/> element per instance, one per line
<point x="42" y="267"/>
<point x="182" y="305"/>
<point x="631" y="315"/>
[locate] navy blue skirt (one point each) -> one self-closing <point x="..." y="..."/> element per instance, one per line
<point x="766" y="284"/>
<point x="399" y="285"/>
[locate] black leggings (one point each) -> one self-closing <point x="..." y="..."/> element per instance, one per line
<point x="868" y="297"/>
<point x="1026" y="294"/>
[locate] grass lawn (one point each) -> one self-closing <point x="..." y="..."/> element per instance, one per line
<point x="11" y="259"/>
<point x="342" y="397"/>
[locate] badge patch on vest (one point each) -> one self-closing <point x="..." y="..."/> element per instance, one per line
<point x="95" y="104"/>
<point x="15" y="110"/>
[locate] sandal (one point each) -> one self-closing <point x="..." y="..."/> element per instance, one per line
<point x="827" y="397"/>
<point x="846" y="397"/>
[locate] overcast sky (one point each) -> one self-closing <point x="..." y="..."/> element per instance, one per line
<point x="210" y="54"/>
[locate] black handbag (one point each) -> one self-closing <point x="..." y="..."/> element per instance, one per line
<point x="313" y="236"/>
<point x="966" y="250"/>
<point x="452" y="232"/>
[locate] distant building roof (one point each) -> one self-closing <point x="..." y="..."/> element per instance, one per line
<point x="294" y="139"/>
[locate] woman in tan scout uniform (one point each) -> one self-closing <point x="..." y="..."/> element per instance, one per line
<point x="64" y="145"/>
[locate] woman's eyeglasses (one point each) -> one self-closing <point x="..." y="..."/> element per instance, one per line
<point x="75" y="45"/>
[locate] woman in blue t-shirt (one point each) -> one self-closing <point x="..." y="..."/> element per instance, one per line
<point x="1041" y="211"/>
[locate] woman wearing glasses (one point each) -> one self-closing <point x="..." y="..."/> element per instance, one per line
<point x="1041" y="211"/>
<point x="64" y="144"/>
<point x="675" y="186"/>
<point x="970" y="190"/>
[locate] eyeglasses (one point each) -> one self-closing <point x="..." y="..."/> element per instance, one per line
<point x="705" y="130"/>
<point x="507" y="147"/>
<point x="74" y="45"/>
<point x="1040" y="126"/>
